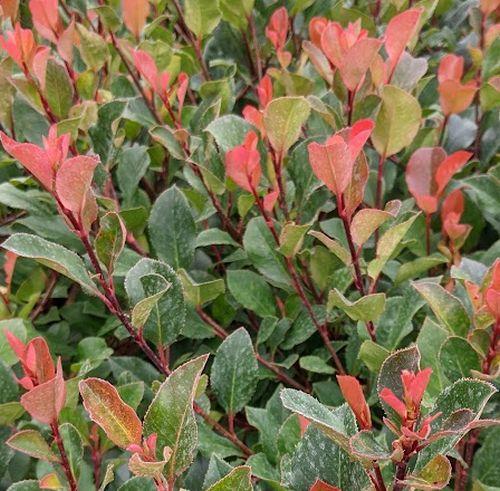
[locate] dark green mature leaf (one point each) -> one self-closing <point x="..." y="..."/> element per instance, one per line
<point x="8" y="386"/>
<point x="58" y="89"/>
<point x="485" y="466"/>
<point x="234" y="374"/>
<point x="261" y="249"/>
<point x="171" y="415"/>
<point x="228" y="131"/>
<point x="251" y="291"/>
<point x="73" y="446"/>
<point x="448" y="309"/>
<point x="239" y="479"/>
<point x="51" y="255"/>
<point x="390" y="373"/>
<point x="168" y="312"/>
<point x="172" y="229"/>
<point x="458" y="358"/>
<point x="110" y="239"/>
<point x="367" y="308"/>
<point x="318" y="457"/>
<point x="132" y="165"/>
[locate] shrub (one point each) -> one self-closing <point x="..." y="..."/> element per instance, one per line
<point x="249" y="245"/>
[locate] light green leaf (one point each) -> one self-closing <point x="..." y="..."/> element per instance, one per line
<point x="239" y="479"/>
<point x="172" y="229"/>
<point x="32" y="443"/>
<point x="171" y="415"/>
<point x="387" y="246"/>
<point x="202" y="16"/>
<point x="165" y="137"/>
<point x="373" y="355"/>
<point x="169" y="313"/>
<point x="235" y="371"/>
<point x="199" y="294"/>
<point x="365" y="222"/>
<point x="397" y="122"/>
<point x="110" y="239"/>
<point x="229" y="131"/>
<point x="251" y="291"/>
<point x="73" y="445"/>
<point x="143" y="309"/>
<point x="51" y="255"/>
<point x="334" y="246"/>
<point x="315" y="364"/>
<point x="367" y="308"/>
<point x="292" y="238"/>
<point x="448" y="309"/>
<point x="236" y="13"/>
<point x="283" y="120"/>
<point x="214" y="236"/>
<point x="10" y="412"/>
<point x="93" y="48"/>
<point x="58" y="89"/>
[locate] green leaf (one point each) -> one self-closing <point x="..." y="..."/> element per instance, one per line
<point x="448" y="309"/>
<point x="372" y="355"/>
<point x="315" y="364"/>
<point x="27" y="485"/>
<point x="172" y="229"/>
<point x="214" y="236"/>
<point x="470" y="394"/>
<point x="132" y="165"/>
<point x="365" y="222"/>
<point x="143" y="309"/>
<point x="251" y="291"/>
<point x="434" y="475"/>
<point x="239" y="479"/>
<point x="58" y="89"/>
<point x="261" y="249"/>
<point x="387" y="246"/>
<point x="283" y="120"/>
<point x="334" y="246"/>
<point x="202" y="16"/>
<point x="110" y="239"/>
<point x="412" y="269"/>
<point x="367" y="308"/>
<point x="390" y="374"/>
<point x="335" y="424"/>
<point x="172" y="418"/>
<point x="236" y="13"/>
<point x="32" y="443"/>
<point x="51" y="255"/>
<point x="397" y="122"/>
<point x="10" y="412"/>
<point x="73" y="446"/>
<point x="105" y="407"/>
<point x="15" y="326"/>
<point x="164" y="136"/>
<point x="229" y="131"/>
<point x="485" y="466"/>
<point x="292" y="238"/>
<point x="8" y="386"/>
<point x="93" y="48"/>
<point x="199" y="294"/>
<point x="458" y="358"/>
<point x="318" y="457"/>
<point x="365" y="445"/>
<point x="235" y="371"/>
<point x="169" y="312"/>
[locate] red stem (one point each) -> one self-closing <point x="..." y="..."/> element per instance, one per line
<point x="64" y="458"/>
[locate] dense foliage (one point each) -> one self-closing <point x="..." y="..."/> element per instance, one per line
<point x="249" y="244"/>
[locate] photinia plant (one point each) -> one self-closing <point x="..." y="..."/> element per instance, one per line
<point x="249" y="245"/>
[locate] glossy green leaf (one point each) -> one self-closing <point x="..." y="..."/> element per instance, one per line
<point x="458" y="358"/>
<point x="234" y="374"/>
<point x="198" y="294"/>
<point x="58" y="89"/>
<point x="239" y="479"/>
<point x="202" y="16"/>
<point x="32" y="443"/>
<point x="110" y="240"/>
<point x="251" y="291"/>
<point x="367" y="308"/>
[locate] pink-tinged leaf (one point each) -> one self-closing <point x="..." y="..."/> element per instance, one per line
<point x="415" y="384"/>
<point x="331" y="43"/>
<point x="319" y="60"/>
<point x="73" y="181"/>
<point x="8" y="267"/>
<point x="146" y="66"/>
<point x="456" y="97"/>
<point x="353" y="394"/>
<point x="331" y="163"/>
<point x="66" y="42"/>
<point x="357" y="62"/>
<point x="183" y="83"/>
<point x="107" y="409"/>
<point x="303" y="424"/>
<point x="265" y="91"/>
<point x="316" y="28"/>
<point x="18" y="347"/>
<point x="390" y="398"/>
<point x="277" y="28"/>
<point x="270" y="200"/>
<point x="451" y="212"/>
<point x="33" y="158"/>
<point x="358" y="136"/>
<point x="492" y="294"/>
<point x="39" y="65"/>
<point x="39" y="361"/>
<point x="451" y="67"/>
<point x="449" y="166"/>
<point x="32" y="443"/>
<point x="320" y="485"/>
<point x="355" y="191"/>
<point x="399" y="32"/>
<point x="45" y="17"/>
<point x="44" y="402"/>
<point x="135" y="13"/>
<point x="419" y="176"/>
<point x="489" y="6"/>
<point x="254" y="117"/>
<point x="20" y="46"/>
<point x="50" y="481"/>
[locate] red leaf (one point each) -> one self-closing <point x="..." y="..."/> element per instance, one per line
<point x="183" y="83"/>
<point x="20" y="45"/>
<point x="66" y="42"/>
<point x="146" y="66"/>
<point x="8" y="267"/>
<point x="243" y="163"/>
<point x="9" y="9"/>
<point x="254" y="117"/>
<point x="489" y="6"/>
<point x="353" y="394"/>
<point x="456" y="97"/>
<point x="449" y="166"/>
<point x="270" y="200"/>
<point x="414" y="384"/>
<point x="277" y="28"/>
<point x="265" y="91"/>
<point x="358" y="136"/>
<point x="390" y="398"/>
<point x="44" y="402"/>
<point x="492" y="295"/>
<point x="32" y="157"/>
<point x="135" y="13"/>
<point x="451" y="67"/>
<point x="316" y="28"/>
<point x="303" y="423"/>
<point x="320" y="485"/>
<point x="39" y="361"/>
<point x="399" y="32"/>
<point x="45" y="17"/>
<point x="451" y="212"/>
